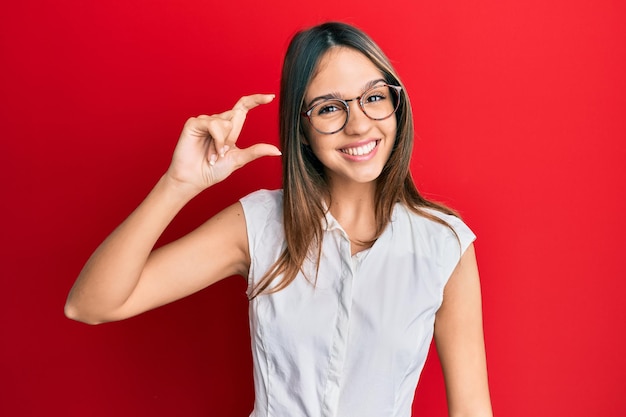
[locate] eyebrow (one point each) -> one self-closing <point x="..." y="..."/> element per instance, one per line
<point x="336" y="95"/>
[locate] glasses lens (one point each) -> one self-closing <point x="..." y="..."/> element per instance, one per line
<point x="377" y="103"/>
<point x="329" y="116"/>
<point x="380" y="102"/>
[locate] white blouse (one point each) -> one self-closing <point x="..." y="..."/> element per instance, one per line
<point x="355" y="343"/>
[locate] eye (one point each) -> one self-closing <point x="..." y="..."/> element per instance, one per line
<point x="328" y="108"/>
<point x="375" y="96"/>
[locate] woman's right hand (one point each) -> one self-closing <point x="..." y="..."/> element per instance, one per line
<point x="125" y="277"/>
<point x="207" y="150"/>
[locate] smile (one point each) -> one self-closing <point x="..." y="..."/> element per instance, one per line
<point x="361" y="150"/>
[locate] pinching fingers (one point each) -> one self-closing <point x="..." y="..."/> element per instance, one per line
<point x="214" y="130"/>
<point x="240" y="110"/>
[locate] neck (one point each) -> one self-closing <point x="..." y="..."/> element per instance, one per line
<point x="352" y="205"/>
<point x="349" y="195"/>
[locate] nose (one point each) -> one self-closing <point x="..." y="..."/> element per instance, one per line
<point x="358" y="122"/>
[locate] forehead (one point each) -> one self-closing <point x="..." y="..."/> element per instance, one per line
<point x="342" y="70"/>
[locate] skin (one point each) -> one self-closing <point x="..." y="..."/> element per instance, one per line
<point x="125" y="276"/>
<point x="345" y="73"/>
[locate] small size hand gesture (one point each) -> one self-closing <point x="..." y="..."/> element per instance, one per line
<point x="207" y="150"/>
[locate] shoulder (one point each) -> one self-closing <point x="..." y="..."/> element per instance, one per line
<point x="451" y="224"/>
<point x="263" y="212"/>
<point x="456" y="227"/>
<point x="446" y="241"/>
<point x="263" y="199"/>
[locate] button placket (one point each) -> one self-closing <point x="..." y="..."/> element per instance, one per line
<point x="340" y="338"/>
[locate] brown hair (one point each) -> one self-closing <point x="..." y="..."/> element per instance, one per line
<point x="305" y="185"/>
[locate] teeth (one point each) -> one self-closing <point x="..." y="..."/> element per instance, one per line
<point x="361" y="150"/>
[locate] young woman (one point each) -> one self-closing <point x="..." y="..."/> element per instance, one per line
<point x="350" y="270"/>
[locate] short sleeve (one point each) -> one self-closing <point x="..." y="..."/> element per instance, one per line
<point x="264" y="224"/>
<point x="454" y="244"/>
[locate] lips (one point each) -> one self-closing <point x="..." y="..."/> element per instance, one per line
<point x="361" y="150"/>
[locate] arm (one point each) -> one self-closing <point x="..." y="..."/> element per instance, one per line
<point x="125" y="277"/>
<point x="460" y="342"/>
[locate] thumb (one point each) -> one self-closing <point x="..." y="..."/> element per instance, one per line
<point x="256" y="151"/>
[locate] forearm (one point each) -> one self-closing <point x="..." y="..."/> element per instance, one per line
<point x="122" y="278"/>
<point x="113" y="271"/>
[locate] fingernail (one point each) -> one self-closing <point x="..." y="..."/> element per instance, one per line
<point x="212" y="159"/>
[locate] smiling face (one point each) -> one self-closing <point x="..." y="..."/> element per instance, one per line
<point x="359" y="151"/>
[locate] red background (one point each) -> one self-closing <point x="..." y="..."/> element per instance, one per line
<point x="520" y="110"/>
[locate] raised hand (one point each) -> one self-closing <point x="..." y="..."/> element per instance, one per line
<point x="207" y="150"/>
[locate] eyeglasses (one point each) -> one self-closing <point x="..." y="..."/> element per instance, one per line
<point x="331" y="115"/>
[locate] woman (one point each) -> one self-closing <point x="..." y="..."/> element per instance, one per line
<point x="350" y="270"/>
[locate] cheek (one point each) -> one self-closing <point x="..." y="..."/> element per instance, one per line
<point x="391" y="133"/>
<point x="317" y="148"/>
<point x="312" y="143"/>
<point x="390" y="130"/>
<point x="312" y="138"/>
<point x="393" y="126"/>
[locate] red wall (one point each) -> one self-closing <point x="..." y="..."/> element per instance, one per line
<point x="520" y="109"/>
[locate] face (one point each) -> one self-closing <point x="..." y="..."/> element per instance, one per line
<point x="359" y="151"/>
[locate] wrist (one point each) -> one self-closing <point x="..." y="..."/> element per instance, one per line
<point x="178" y="190"/>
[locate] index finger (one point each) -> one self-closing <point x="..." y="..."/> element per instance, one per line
<point x="246" y="103"/>
<point x="240" y="110"/>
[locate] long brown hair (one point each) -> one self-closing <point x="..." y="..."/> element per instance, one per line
<point x="305" y="185"/>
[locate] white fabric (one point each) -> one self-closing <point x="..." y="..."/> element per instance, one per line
<point x="355" y="343"/>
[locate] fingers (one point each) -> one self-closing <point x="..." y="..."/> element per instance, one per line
<point x="222" y="130"/>
<point x="209" y="130"/>
<point x="253" y="152"/>
<point x="239" y="112"/>
<point x="246" y="103"/>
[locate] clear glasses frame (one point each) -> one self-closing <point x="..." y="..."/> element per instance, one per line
<point x="346" y="104"/>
